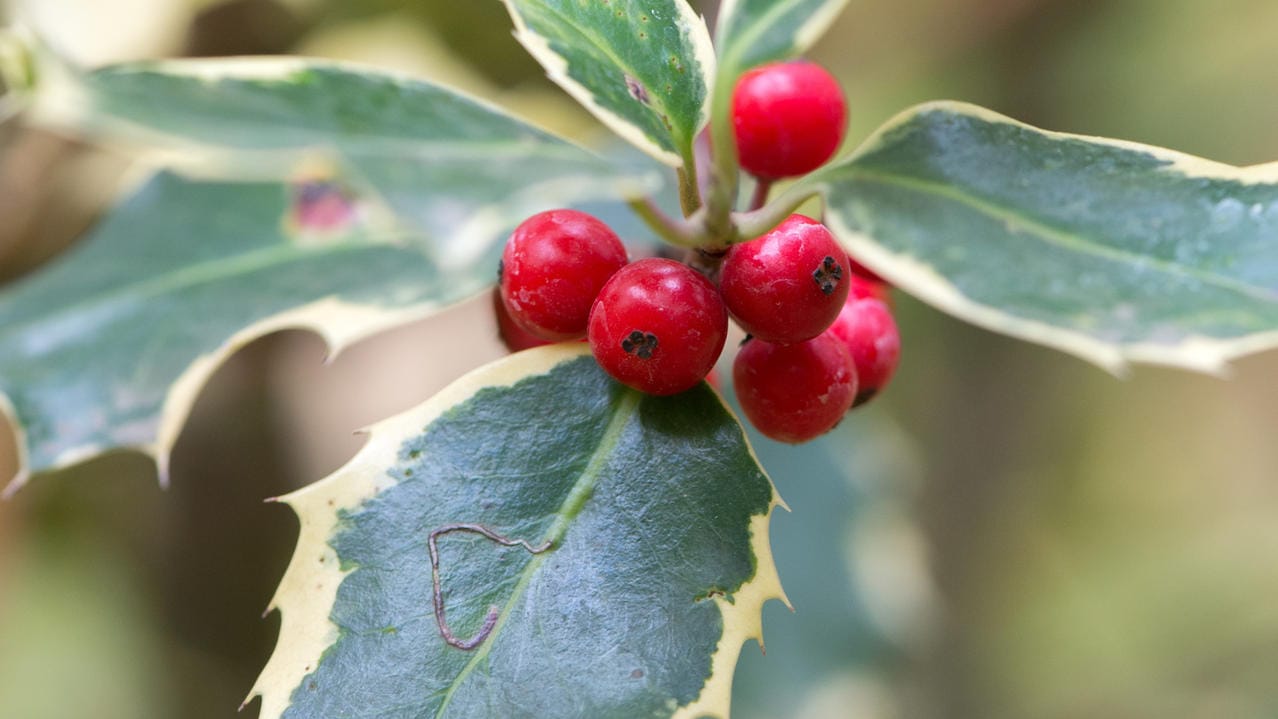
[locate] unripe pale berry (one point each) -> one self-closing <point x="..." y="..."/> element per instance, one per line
<point x="794" y="393"/>
<point x="553" y="268"/>
<point x="789" y="285"/>
<point x="869" y="332"/>
<point x="658" y="326"/>
<point x="789" y="118"/>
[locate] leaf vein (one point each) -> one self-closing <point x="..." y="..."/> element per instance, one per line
<point x="568" y="510"/>
<point x="1059" y="237"/>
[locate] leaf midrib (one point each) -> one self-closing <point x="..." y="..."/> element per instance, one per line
<point x="1055" y="236"/>
<point x="572" y="505"/>
<point x="191" y="276"/>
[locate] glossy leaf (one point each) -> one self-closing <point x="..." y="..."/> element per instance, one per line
<point x="754" y="32"/>
<point x="445" y="164"/>
<point x="643" y="68"/>
<point x="364" y="202"/>
<point x="631" y="564"/>
<point x="1113" y="251"/>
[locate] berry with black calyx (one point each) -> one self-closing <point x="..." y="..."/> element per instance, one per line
<point x="658" y="326"/>
<point x="788" y="285"/>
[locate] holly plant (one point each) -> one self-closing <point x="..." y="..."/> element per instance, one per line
<point x="581" y="529"/>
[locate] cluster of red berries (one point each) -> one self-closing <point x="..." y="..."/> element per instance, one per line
<point x="821" y="338"/>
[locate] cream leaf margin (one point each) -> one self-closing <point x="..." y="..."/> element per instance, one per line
<point x="556" y="66"/>
<point x="805" y="36"/>
<point x="64" y="103"/>
<point x="308" y="591"/>
<point x="340" y="324"/>
<point x="1199" y="353"/>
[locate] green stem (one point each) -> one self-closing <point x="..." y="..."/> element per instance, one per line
<point x="725" y="174"/>
<point x="680" y="232"/>
<point x="757" y="222"/>
<point x="689" y="192"/>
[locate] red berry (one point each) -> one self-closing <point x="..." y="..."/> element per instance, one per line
<point x="863" y="271"/>
<point x="861" y="287"/>
<point x="868" y="331"/>
<point x="789" y="285"/>
<point x="553" y="267"/>
<point x="658" y="326"/>
<point x="789" y="118"/>
<point x="794" y="393"/>
<point x="512" y="335"/>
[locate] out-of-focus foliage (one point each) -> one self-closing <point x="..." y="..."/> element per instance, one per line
<point x="1100" y="548"/>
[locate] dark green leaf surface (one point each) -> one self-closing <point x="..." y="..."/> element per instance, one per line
<point x="754" y="32"/>
<point x="643" y="68"/>
<point x="656" y="514"/>
<point x="1112" y="251"/>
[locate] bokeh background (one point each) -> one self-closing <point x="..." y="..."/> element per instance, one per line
<point x="1008" y="533"/>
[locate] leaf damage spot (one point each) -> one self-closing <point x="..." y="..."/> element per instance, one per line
<point x="321" y="208"/>
<point x="490" y="620"/>
<point x="637" y="90"/>
<point x="709" y="595"/>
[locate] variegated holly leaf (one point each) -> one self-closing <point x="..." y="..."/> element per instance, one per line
<point x="445" y="164"/>
<point x="754" y="32"/>
<point x="535" y="541"/>
<point x="401" y="195"/>
<point x="643" y="68"/>
<point x="1113" y="251"/>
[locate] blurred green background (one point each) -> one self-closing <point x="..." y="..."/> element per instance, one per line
<point x="1006" y="533"/>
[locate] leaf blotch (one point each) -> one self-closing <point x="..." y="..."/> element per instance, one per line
<point x="321" y="206"/>
<point x="637" y="90"/>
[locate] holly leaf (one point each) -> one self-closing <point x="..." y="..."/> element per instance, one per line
<point x="401" y="194"/>
<point x="536" y="540"/>
<point x="445" y="164"/>
<point x="754" y="32"/>
<point x="1113" y="251"/>
<point x="643" y="68"/>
